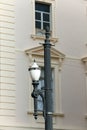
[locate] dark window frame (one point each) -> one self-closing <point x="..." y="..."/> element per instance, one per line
<point x="42" y="16"/>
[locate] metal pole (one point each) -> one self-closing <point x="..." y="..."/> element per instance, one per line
<point x="47" y="82"/>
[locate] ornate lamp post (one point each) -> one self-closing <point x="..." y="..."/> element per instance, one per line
<point x="47" y="96"/>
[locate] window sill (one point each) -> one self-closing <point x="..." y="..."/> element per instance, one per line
<point x="54" y="114"/>
<point x="36" y="37"/>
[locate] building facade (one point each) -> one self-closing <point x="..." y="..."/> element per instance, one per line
<point x="22" y="25"/>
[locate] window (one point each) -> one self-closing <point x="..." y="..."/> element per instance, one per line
<point x="42" y="17"/>
<point x="44" y="14"/>
<point x="56" y="65"/>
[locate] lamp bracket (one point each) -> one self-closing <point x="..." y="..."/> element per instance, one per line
<point x="38" y="92"/>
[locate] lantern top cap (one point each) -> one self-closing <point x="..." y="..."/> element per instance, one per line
<point x="34" y="66"/>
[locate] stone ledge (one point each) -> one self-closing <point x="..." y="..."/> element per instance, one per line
<point x="36" y="37"/>
<point x="54" y="114"/>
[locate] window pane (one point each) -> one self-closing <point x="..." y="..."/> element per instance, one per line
<point x="38" y="24"/>
<point x="45" y="25"/>
<point x="41" y="85"/>
<point x="37" y="16"/>
<point x="40" y="106"/>
<point x="40" y="102"/>
<point x="42" y="7"/>
<point x="46" y="17"/>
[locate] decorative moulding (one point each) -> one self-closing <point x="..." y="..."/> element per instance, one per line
<point x="37" y="37"/>
<point x="85" y="3"/>
<point x="84" y="59"/>
<point x="40" y="52"/>
<point x="54" y="114"/>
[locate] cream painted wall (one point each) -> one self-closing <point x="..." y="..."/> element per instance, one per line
<point x="7" y="63"/>
<point x="71" y="30"/>
<point x="70" y="17"/>
<point x="72" y="27"/>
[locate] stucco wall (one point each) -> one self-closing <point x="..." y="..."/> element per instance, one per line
<point x="71" y="30"/>
<point x="7" y="62"/>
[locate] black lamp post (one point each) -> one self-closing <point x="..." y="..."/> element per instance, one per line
<point x="47" y="96"/>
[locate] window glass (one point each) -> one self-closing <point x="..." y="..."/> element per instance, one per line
<point x="42" y="7"/>
<point x="46" y="17"/>
<point x="38" y="24"/>
<point x="41" y="86"/>
<point x="37" y="15"/>
<point x="45" y="25"/>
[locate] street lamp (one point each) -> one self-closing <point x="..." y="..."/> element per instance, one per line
<point x="47" y="96"/>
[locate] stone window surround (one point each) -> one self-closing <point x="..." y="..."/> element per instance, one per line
<point x="33" y="35"/>
<point x="56" y="60"/>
